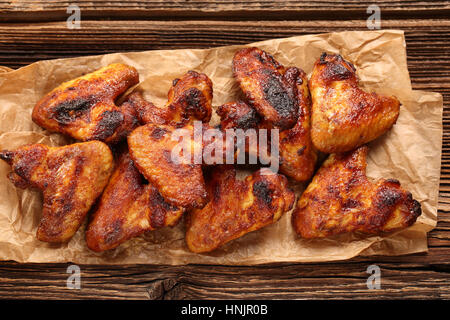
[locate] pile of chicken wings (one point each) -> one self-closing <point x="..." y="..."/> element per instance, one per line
<point x="121" y="173"/>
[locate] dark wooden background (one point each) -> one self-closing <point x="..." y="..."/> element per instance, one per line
<point x="35" y="30"/>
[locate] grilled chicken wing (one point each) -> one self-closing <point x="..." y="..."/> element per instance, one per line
<point x="181" y="184"/>
<point x="296" y="151"/>
<point x="237" y="207"/>
<point x="341" y="199"/>
<point x="85" y="109"/>
<point x="128" y="207"/>
<point x="268" y="86"/>
<point x="344" y="116"/>
<point x="189" y="99"/>
<point x="71" y="179"/>
<point x="237" y="115"/>
<point x="297" y="154"/>
<point x="169" y="168"/>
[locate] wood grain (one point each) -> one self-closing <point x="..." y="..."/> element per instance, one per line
<point x="39" y="11"/>
<point x="203" y="24"/>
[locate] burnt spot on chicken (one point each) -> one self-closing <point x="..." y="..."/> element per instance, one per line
<point x="158" y="133"/>
<point x="108" y="123"/>
<point x="262" y="191"/>
<point x="69" y="111"/>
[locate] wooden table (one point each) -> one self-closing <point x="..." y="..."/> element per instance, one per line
<point x="36" y="30"/>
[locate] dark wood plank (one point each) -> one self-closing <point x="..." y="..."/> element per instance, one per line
<point x="414" y="276"/>
<point x="399" y="279"/>
<point x="54" y="10"/>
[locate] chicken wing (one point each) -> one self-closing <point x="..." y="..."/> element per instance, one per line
<point x="71" y="179"/>
<point x="237" y="207"/>
<point x="268" y="86"/>
<point x="341" y="199"/>
<point x="169" y="163"/>
<point x="297" y="154"/>
<point x="85" y="109"/>
<point x="344" y="116"/>
<point x="237" y="115"/>
<point x="189" y="99"/>
<point x="128" y="207"/>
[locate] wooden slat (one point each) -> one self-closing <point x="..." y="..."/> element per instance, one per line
<point x="53" y="10"/>
<point x="319" y="281"/>
<point x="414" y="276"/>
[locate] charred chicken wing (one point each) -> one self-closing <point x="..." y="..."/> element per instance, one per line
<point x="344" y="116"/>
<point x="168" y="163"/>
<point x="268" y="86"/>
<point x="189" y="99"/>
<point x="85" y="109"/>
<point x="296" y="151"/>
<point x="71" y="179"/>
<point x="237" y="207"/>
<point x="128" y="207"/>
<point x="297" y="154"/>
<point x="341" y="199"/>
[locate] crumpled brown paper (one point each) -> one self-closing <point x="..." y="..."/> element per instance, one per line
<point x="410" y="152"/>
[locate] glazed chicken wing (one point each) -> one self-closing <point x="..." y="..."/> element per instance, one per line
<point x="168" y="163"/>
<point x="341" y="199"/>
<point x="268" y="86"/>
<point x="130" y="205"/>
<point x="237" y="207"/>
<point x="85" y="109"/>
<point x="297" y="154"/>
<point x="344" y="116"/>
<point x="189" y="99"/>
<point x="71" y="179"/>
<point x="128" y="208"/>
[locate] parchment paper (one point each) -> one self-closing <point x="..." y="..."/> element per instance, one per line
<point x="410" y="152"/>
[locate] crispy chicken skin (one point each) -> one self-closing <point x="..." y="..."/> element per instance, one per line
<point x="128" y="207"/>
<point x="237" y="207"/>
<point x="345" y="117"/>
<point x="237" y="115"/>
<point x="85" y="109"/>
<point x="298" y="156"/>
<point x="297" y="153"/>
<point x="70" y="177"/>
<point x="340" y="199"/>
<point x="189" y="99"/>
<point x="179" y="181"/>
<point x="268" y="86"/>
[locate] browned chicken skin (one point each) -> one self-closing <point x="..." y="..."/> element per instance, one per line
<point x="179" y="181"/>
<point x="189" y="99"/>
<point x="237" y="207"/>
<point x="344" y="116"/>
<point x="70" y="177"/>
<point x="237" y="115"/>
<point x="128" y="208"/>
<point x="85" y="109"/>
<point x="296" y="151"/>
<point x="341" y="199"/>
<point x="181" y="184"/>
<point x="268" y="86"/>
